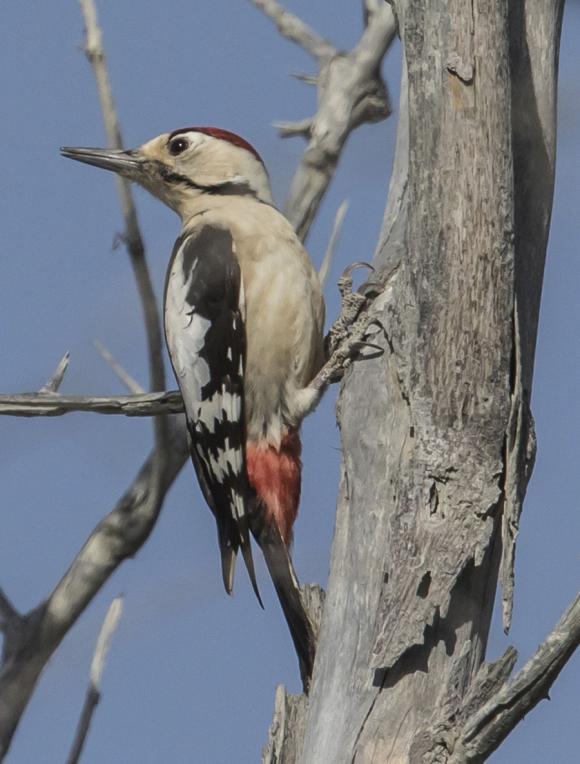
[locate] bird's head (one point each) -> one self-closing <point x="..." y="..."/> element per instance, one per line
<point x="185" y="164"/>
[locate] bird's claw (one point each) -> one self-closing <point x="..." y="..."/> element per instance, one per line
<point x="351" y="302"/>
<point x="346" y="344"/>
<point x="352" y="308"/>
<point x="359" y="347"/>
<point x="348" y="338"/>
<point x="350" y="269"/>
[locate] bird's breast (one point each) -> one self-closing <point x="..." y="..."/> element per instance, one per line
<point x="283" y="316"/>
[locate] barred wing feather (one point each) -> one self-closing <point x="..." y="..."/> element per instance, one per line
<point x="204" y="328"/>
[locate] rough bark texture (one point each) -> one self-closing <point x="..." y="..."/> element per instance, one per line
<point x="534" y="44"/>
<point x="422" y="473"/>
<point x="437" y="433"/>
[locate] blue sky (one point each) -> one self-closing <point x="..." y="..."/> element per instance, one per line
<point x="192" y="673"/>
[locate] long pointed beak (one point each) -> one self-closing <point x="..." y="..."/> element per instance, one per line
<point x="127" y="163"/>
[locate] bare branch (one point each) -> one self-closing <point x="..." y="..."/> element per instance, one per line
<point x="307" y="79"/>
<point x="331" y="249"/>
<point x="372" y="6"/>
<point x="293" y="129"/>
<point x="108" y="628"/>
<point x="130" y="383"/>
<point x="489" y="679"/>
<point x="93" y="695"/>
<point x="133" y="239"/>
<point x="55" y="381"/>
<point x="42" y="404"/>
<point x="350" y="93"/>
<point x="119" y="536"/>
<point x="8" y="613"/>
<point x="490" y="725"/>
<point x="295" y="30"/>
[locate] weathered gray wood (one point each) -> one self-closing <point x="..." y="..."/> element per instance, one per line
<point x="287" y="729"/>
<point x="534" y="46"/>
<point x="487" y="726"/>
<point x="425" y="474"/>
<point x="313" y="601"/>
<point x="47" y="404"/>
<point x="350" y="92"/>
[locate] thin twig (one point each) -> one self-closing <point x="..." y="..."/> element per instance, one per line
<point x="93" y="695"/>
<point x="104" y="641"/>
<point x="350" y="92"/>
<point x="8" y="612"/>
<point x="130" y="383"/>
<point x="126" y="528"/>
<point x="54" y="382"/>
<point x="118" y="537"/>
<point x="333" y="241"/>
<point x="133" y="239"/>
<point x="370" y="7"/>
<point x="294" y="29"/>
<point x="292" y="129"/>
<point x="41" y="404"/>
<point x="307" y="79"/>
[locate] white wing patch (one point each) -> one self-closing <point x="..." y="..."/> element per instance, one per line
<point x="185" y="331"/>
<point x="205" y="331"/>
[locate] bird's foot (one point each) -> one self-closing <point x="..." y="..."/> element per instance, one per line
<point x="347" y="340"/>
<point x="351" y="306"/>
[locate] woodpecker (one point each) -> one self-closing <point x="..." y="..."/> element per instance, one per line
<point x="244" y="318"/>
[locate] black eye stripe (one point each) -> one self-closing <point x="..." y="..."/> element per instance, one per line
<point x="178" y="146"/>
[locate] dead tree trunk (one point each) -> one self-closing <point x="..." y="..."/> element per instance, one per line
<point x="437" y="434"/>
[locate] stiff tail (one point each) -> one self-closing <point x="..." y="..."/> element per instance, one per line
<point x="275" y="476"/>
<point x="288" y="591"/>
<point x="229" y="553"/>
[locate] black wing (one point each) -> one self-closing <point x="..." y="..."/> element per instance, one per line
<point x="205" y="334"/>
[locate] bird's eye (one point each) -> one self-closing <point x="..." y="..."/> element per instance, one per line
<point x="178" y="146"/>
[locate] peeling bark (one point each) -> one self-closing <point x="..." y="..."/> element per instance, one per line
<point x="535" y="28"/>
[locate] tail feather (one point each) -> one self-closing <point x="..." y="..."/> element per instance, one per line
<point x="288" y="590"/>
<point x="249" y="560"/>
<point x="228" y="567"/>
<point x="229" y="551"/>
<point x="228" y="554"/>
<point x="274" y="474"/>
